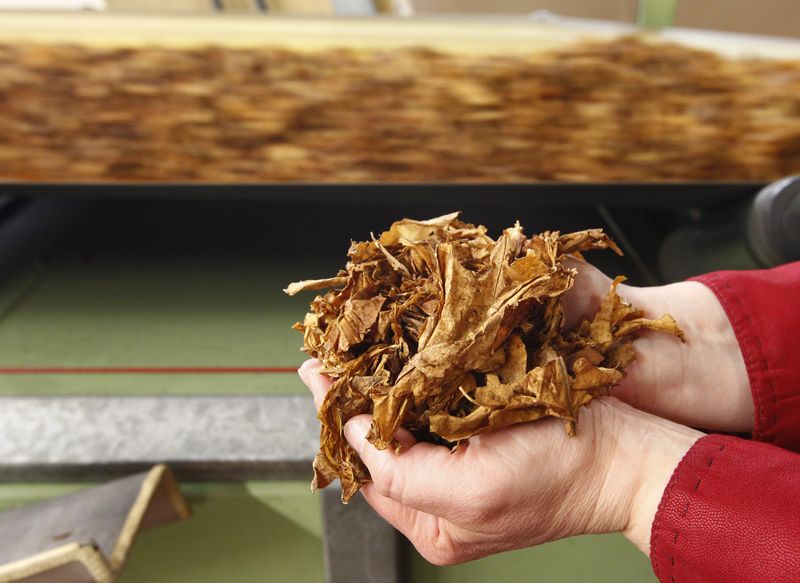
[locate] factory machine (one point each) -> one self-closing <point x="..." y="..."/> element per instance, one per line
<point x="142" y="322"/>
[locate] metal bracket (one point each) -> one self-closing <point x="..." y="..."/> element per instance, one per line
<point x="359" y="546"/>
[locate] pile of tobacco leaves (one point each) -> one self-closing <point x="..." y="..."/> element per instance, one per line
<point x="438" y="328"/>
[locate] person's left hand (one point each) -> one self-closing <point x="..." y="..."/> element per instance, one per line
<point x="522" y="485"/>
<point x="702" y="382"/>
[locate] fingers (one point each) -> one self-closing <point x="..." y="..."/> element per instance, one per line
<point x="431" y="535"/>
<point x="582" y="300"/>
<point x="317" y="383"/>
<point x="424" y="476"/>
<point x="403" y="518"/>
<point x="307" y="367"/>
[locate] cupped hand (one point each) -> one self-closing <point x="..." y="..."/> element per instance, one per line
<point x="702" y="383"/>
<point x="523" y="485"/>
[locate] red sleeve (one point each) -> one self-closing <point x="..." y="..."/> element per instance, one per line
<point x="731" y="512"/>
<point x="764" y="309"/>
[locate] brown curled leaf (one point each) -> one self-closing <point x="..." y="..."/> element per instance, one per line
<point x="315" y="284"/>
<point x="437" y="328"/>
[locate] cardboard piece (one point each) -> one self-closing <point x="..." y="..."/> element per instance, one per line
<point x="86" y="536"/>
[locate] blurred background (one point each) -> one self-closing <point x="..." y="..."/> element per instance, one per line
<point x="167" y="168"/>
<point x="768" y="18"/>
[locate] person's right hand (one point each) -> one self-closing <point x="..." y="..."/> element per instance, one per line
<point x="521" y="485"/>
<point x="702" y="383"/>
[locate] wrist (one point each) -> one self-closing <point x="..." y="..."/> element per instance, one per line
<point x="634" y="458"/>
<point x="651" y="448"/>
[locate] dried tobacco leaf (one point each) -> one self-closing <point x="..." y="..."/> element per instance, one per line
<point x="438" y="328"/>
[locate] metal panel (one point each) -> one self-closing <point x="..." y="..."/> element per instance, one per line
<point x="360" y="547"/>
<point x="221" y="438"/>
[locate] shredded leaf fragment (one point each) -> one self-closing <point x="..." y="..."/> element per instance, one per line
<point x="438" y="328"/>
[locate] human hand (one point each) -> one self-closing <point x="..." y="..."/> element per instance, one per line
<point x="522" y="485"/>
<point x="702" y="383"/>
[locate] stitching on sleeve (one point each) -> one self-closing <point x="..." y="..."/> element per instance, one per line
<point x="661" y="510"/>
<point x="672" y="576"/>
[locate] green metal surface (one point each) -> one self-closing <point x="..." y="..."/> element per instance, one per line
<point x="171" y="285"/>
<point x="589" y="559"/>
<point x="128" y="313"/>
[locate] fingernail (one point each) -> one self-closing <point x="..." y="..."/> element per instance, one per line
<point x="355" y="431"/>
<point x="305" y="368"/>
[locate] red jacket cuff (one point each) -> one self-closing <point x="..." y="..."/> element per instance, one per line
<point x="729" y="513"/>
<point x="764" y="309"/>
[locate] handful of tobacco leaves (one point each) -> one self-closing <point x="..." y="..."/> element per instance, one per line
<point x="438" y="328"/>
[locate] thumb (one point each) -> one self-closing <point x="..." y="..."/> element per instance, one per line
<point x="357" y="428"/>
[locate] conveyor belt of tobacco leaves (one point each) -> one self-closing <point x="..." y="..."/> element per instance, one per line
<point x="621" y="110"/>
<point x="440" y="329"/>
